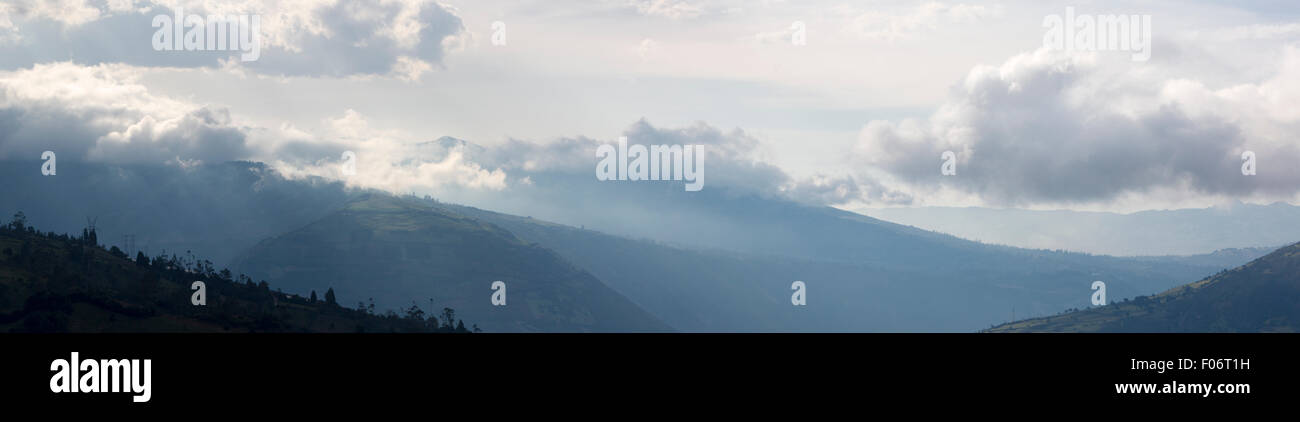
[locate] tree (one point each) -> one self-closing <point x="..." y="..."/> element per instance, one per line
<point x="20" y="221"/>
<point x="448" y="315"/>
<point x="414" y="312"/>
<point x="313" y="296"/>
<point x="329" y="297"/>
<point x="141" y="260"/>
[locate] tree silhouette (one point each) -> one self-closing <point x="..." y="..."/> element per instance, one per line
<point x="414" y="312"/>
<point x="20" y="221"/>
<point x="448" y="315"/>
<point x="130" y="291"/>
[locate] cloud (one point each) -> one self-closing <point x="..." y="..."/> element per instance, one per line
<point x="67" y="12"/>
<point x="101" y="113"/>
<point x="8" y="30"/>
<point x="783" y="36"/>
<point x="647" y="49"/>
<point x="402" y="38"/>
<point x="384" y="159"/>
<point x="1252" y="32"/>
<point x="671" y="9"/>
<point x="1049" y="127"/>
<point x="884" y="25"/>
<point x="733" y="164"/>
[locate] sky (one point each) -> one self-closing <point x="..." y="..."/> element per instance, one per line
<point x="843" y="103"/>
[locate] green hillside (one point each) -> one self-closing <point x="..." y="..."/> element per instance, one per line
<point x="1261" y="296"/>
<point x="59" y="283"/>
<point x="397" y="252"/>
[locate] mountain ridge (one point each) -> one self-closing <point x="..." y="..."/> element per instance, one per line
<point x="1260" y="296"/>
<point x="420" y="252"/>
<point x="61" y="283"/>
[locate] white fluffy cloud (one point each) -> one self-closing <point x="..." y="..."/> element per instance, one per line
<point x="386" y="159"/>
<point x="1040" y="128"/>
<point x="102" y="113"/>
<point x="1049" y="127"/>
<point x="733" y="163"/>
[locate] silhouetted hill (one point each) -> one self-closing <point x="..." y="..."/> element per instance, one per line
<point x="61" y="283"/>
<point x="397" y="252"/>
<point x="1261" y="296"/>
<point x="214" y="210"/>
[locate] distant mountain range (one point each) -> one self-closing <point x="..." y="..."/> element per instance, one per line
<point x="1150" y="233"/>
<point x="1261" y="296"/>
<point x="868" y="275"/>
<point x="662" y="259"/>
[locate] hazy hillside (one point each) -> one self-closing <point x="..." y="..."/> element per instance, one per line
<point x="765" y="226"/>
<point x="398" y="253"/>
<point x="709" y="261"/>
<point x="212" y="210"/>
<point x="1157" y="232"/>
<point x="933" y="283"/>
<point x="1223" y="258"/>
<point x="1263" y="295"/>
<point x="59" y="283"/>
